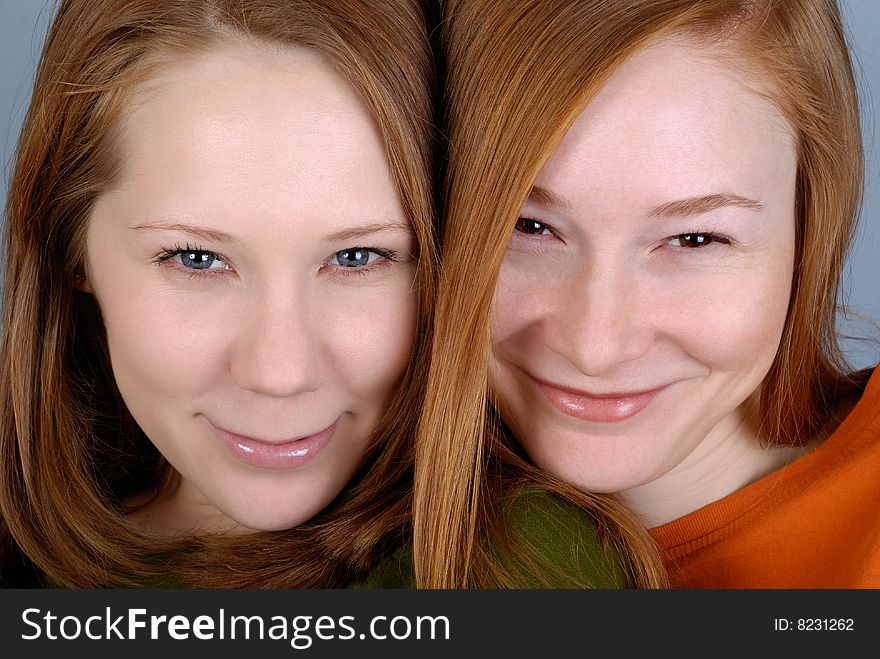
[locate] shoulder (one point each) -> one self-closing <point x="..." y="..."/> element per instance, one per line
<point x="563" y="537"/>
<point x="857" y="409"/>
<point x="556" y="544"/>
<point x="538" y="510"/>
<point x="396" y="570"/>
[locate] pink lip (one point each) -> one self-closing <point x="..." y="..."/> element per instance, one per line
<point x="599" y="408"/>
<point x="275" y="455"/>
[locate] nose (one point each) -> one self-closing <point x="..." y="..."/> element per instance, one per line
<point x="601" y="319"/>
<point x="278" y="350"/>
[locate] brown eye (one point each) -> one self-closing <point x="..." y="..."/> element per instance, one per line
<point x="531" y="227"/>
<point x="693" y="239"/>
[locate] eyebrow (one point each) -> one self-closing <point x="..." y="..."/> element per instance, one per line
<point x="703" y="204"/>
<point x="220" y="237"/>
<point x="367" y="230"/>
<point x="199" y="232"/>
<point x="543" y="197"/>
<point x="677" y="208"/>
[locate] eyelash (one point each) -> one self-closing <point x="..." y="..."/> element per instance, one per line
<point x="532" y="220"/>
<point x="167" y="255"/>
<point x="387" y="256"/>
<point x="695" y="233"/>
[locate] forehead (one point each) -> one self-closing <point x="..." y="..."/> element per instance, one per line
<point x="206" y="95"/>
<point x="672" y="110"/>
<point x="243" y="120"/>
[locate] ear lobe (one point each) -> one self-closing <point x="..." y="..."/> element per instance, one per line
<point x="81" y="282"/>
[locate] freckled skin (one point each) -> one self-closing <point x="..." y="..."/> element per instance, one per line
<point x="276" y="340"/>
<point x="608" y="298"/>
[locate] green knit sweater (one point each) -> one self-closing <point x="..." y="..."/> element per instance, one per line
<point x="561" y="534"/>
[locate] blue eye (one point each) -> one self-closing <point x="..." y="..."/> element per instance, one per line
<point x="199" y="260"/>
<point x="354" y="257"/>
<point x="190" y="260"/>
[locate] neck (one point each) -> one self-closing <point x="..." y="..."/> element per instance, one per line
<point x="730" y="457"/>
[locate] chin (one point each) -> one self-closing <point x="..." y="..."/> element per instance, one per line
<point x="274" y="518"/>
<point x="250" y="524"/>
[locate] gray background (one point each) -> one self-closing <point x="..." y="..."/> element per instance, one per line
<point x="23" y="25"/>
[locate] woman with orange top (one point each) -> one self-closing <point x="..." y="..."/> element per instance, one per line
<point x="649" y="204"/>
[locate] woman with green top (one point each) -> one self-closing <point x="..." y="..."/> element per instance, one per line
<point x="219" y="281"/>
<point x="219" y="275"/>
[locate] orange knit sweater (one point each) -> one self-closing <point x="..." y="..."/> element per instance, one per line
<point x="815" y="523"/>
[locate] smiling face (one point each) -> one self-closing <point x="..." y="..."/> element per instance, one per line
<point x="254" y="270"/>
<point x="645" y="287"/>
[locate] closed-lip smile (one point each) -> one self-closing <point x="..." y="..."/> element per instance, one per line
<point x="605" y="407"/>
<point x="283" y="454"/>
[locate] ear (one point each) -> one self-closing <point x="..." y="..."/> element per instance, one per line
<point x="81" y="281"/>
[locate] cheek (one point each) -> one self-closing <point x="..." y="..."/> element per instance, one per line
<point x="160" y="344"/>
<point x="733" y="321"/>
<point x="370" y="336"/>
<point x="154" y="355"/>
<point x="517" y="305"/>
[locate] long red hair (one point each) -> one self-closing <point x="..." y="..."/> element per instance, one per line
<point x="517" y="76"/>
<point x="70" y="455"/>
